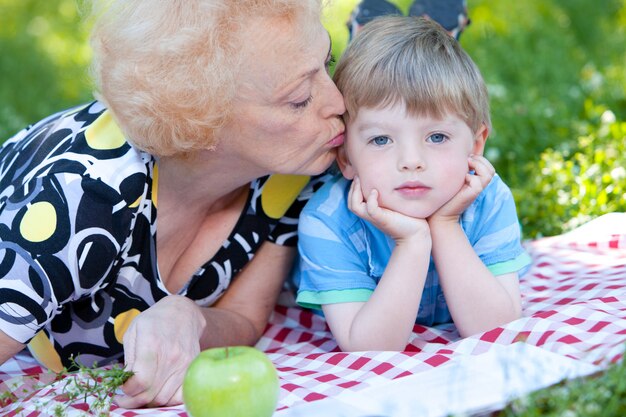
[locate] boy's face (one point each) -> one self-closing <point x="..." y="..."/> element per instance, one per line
<point x="416" y="164"/>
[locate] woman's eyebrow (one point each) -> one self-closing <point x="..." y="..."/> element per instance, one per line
<point x="307" y="74"/>
<point x="328" y="55"/>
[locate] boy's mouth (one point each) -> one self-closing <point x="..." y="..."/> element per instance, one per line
<point x="413" y="188"/>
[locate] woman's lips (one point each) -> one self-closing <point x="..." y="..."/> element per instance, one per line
<point x="337" y="140"/>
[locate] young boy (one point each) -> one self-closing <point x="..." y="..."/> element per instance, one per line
<point x="419" y="225"/>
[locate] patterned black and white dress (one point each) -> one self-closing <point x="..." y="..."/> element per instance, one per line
<point x="78" y="210"/>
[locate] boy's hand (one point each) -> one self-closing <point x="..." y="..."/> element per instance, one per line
<point x="474" y="185"/>
<point x="398" y="226"/>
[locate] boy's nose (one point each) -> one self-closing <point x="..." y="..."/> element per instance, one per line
<point x="411" y="161"/>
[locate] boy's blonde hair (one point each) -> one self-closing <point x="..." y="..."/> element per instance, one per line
<point x="168" y="69"/>
<point x="413" y="61"/>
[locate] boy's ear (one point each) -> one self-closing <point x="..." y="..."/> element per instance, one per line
<point x="480" y="137"/>
<point x="344" y="163"/>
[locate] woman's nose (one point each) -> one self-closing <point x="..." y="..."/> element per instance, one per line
<point x="334" y="100"/>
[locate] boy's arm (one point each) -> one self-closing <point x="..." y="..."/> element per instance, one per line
<point x="386" y="320"/>
<point x="477" y="300"/>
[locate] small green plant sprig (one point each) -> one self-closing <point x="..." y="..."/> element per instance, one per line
<point x="599" y="395"/>
<point x="6" y="398"/>
<point x="78" y="384"/>
<point x="84" y="382"/>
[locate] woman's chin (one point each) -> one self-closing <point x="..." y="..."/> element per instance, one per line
<point x="316" y="167"/>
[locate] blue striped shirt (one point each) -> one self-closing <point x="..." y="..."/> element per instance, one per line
<point x="342" y="257"/>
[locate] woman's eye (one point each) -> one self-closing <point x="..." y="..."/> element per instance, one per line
<point x="437" y="138"/>
<point x="380" y="140"/>
<point x="302" y="104"/>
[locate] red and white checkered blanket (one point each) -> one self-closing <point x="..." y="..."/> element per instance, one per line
<point x="574" y="305"/>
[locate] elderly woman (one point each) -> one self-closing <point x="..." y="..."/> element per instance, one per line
<point x="160" y="219"/>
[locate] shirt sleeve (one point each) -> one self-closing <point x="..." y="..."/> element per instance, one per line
<point x="59" y="238"/>
<point x="493" y="228"/>
<point x="333" y="262"/>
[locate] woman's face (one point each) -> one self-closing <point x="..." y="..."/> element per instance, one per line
<point x="286" y="115"/>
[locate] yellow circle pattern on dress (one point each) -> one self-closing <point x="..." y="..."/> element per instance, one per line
<point x="39" y="222"/>
<point x="104" y="134"/>
<point x="122" y="321"/>
<point x="279" y="193"/>
<point x="42" y="349"/>
<point x="155" y="186"/>
<point x="136" y="203"/>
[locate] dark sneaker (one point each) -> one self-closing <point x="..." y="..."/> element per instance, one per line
<point x="367" y="10"/>
<point x="451" y="14"/>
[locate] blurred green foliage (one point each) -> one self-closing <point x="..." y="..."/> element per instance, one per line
<point x="542" y="62"/>
<point x="43" y="61"/>
<point x="568" y="188"/>
<point x="553" y="69"/>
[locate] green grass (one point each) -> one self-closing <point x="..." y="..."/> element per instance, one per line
<point x="600" y="395"/>
<point x="43" y="61"/>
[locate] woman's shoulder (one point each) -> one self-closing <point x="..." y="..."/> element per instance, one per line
<point x="81" y="146"/>
<point x="86" y="132"/>
<point x="277" y="194"/>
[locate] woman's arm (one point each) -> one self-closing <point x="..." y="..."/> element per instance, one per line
<point x="250" y="300"/>
<point x="9" y="347"/>
<point x="162" y="341"/>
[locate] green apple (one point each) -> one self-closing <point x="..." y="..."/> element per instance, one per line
<point x="237" y="381"/>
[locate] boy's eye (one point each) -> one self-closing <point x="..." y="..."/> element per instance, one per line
<point x="437" y="138"/>
<point x="380" y="140"/>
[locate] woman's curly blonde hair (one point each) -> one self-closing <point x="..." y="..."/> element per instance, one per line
<point x="167" y="69"/>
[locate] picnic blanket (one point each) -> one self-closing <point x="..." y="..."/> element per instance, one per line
<point x="574" y="299"/>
